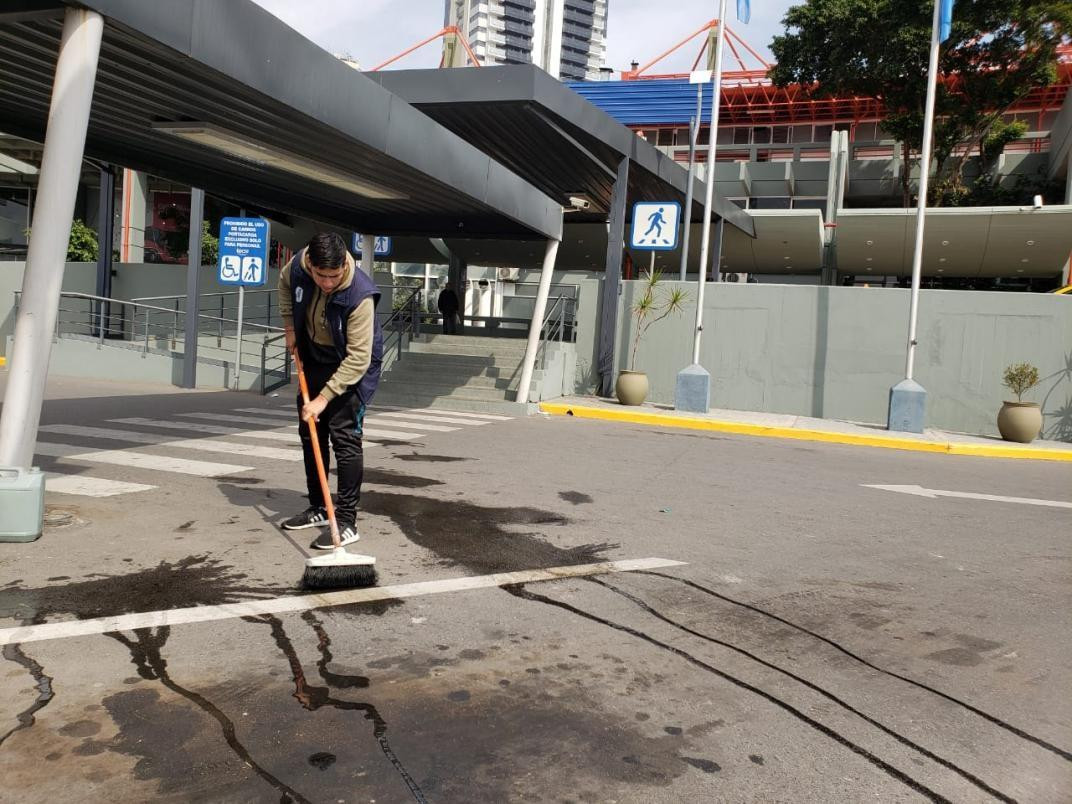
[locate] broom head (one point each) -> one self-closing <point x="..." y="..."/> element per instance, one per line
<point x="339" y="569"/>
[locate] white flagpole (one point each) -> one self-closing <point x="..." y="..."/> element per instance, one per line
<point x="921" y="206"/>
<point x="705" y="241"/>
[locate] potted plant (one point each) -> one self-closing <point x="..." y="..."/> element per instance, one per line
<point x="1020" y="421"/>
<point x="632" y="386"/>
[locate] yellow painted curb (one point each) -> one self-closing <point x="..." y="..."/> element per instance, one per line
<point x="3" y="362"/>
<point x="771" y="431"/>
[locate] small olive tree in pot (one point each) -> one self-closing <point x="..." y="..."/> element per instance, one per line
<point x="632" y="385"/>
<point x="1020" y="421"/>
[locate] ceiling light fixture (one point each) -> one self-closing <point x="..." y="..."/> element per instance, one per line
<point x="269" y="156"/>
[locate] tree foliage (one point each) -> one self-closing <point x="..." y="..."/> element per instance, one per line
<point x="998" y="52"/>
<point x="83" y="245"/>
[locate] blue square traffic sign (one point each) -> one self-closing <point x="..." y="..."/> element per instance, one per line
<point x="243" y="251"/>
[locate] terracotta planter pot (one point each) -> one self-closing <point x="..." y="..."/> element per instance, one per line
<point x="1020" y="421"/>
<point x="632" y="387"/>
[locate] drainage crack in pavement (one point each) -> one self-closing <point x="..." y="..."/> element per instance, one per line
<point x="1041" y="743"/>
<point x="42" y="682"/>
<point x="146" y="657"/>
<point x="312" y="697"/>
<point x="518" y="590"/>
<point x="905" y="741"/>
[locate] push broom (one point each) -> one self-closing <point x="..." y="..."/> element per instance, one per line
<point x="337" y="568"/>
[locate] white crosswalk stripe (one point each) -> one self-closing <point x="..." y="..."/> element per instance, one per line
<point x="85" y="486"/>
<point x="464" y="414"/>
<point x="214" y="429"/>
<point x="412" y="425"/>
<point x="223" y="417"/>
<point x="206" y="444"/>
<point x="139" y="460"/>
<point x="291" y="414"/>
<point x="424" y="417"/>
<point x="390" y="435"/>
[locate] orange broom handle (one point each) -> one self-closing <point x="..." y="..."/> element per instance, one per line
<point x="325" y="489"/>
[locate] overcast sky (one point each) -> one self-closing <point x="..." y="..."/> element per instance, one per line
<point x="372" y="31"/>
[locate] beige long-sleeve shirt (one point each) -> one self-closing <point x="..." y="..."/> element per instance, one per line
<point x="359" y="327"/>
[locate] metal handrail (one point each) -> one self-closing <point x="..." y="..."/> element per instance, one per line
<point x="405" y="318"/>
<point x="149" y="323"/>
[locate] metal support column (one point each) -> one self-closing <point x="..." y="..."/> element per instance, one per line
<point x="612" y="282"/>
<point x="61" y="167"/>
<point x="193" y="289"/>
<point x="368" y="253"/>
<point x="105" y="238"/>
<point x="536" y="326"/>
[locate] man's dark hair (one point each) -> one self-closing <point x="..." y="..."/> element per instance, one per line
<point x="326" y="251"/>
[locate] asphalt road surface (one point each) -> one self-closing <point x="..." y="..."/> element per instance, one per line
<point x="805" y="637"/>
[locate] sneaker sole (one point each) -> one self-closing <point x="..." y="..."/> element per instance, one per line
<point x="344" y="542"/>
<point x="323" y="524"/>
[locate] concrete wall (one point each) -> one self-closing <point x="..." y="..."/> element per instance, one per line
<point x="834" y="352"/>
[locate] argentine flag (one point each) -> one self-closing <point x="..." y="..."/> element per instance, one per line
<point x="744" y="10"/>
<point x="945" y="18"/>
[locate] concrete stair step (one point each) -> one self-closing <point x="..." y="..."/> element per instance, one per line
<point x="387" y="398"/>
<point x="407" y="369"/>
<point x="466" y="350"/>
<point x="451" y="362"/>
<point x="447" y="389"/>
<point x="412" y="377"/>
<point x="472" y="340"/>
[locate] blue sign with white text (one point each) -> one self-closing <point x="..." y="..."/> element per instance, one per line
<point x="381" y="248"/>
<point x="243" y="251"/>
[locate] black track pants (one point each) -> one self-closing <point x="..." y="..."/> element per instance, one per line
<point x="343" y="420"/>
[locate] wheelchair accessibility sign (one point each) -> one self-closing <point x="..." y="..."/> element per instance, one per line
<point x="243" y="251"/>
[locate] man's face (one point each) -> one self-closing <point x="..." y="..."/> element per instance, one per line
<point x="327" y="279"/>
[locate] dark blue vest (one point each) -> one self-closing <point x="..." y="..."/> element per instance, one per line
<point x="338" y="309"/>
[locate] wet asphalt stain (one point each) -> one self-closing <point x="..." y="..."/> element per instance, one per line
<point x="1067" y="755"/>
<point x="42" y="682"/>
<point x="313" y="697"/>
<point x="756" y="758"/>
<point x="193" y="581"/>
<point x="575" y="497"/>
<point x="476" y="536"/>
<point x="186" y="525"/>
<point x="895" y="773"/>
<point x="386" y="477"/>
<point x="425" y="458"/>
<point x="238" y="480"/>
<point x="905" y="741"/>
<point x="140" y="733"/>
<point x="80" y="728"/>
<point x="706" y="765"/>
<point x="458" y="696"/>
<point x="322" y="760"/>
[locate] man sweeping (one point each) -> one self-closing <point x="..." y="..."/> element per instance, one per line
<point x="328" y="308"/>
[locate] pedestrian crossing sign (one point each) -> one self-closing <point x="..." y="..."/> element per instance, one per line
<point x="655" y="225"/>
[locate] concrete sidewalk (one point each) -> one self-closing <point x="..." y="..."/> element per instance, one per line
<point x="781" y="425"/>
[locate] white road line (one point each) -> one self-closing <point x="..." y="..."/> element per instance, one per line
<point x="215" y="429"/>
<point x="443" y="412"/>
<point x="200" y="444"/>
<point x="86" y="486"/>
<point x="291" y="414"/>
<point x="279" y="605"/>
<point x="396" y="435"/>
<point x="432" y="419"/>
<point x="140" y="460"/>
<point x="435" y="428"/>
<point x="222" y="417"/>
<point x="919" y="491"/>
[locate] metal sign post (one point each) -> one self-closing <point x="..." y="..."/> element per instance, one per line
<point x="243" y="262"/>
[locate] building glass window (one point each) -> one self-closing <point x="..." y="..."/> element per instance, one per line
<point x="802" y="134"/>
<point x="666" y="137"/>
<point x="761" y="135"/>
<point x="741" y="136"/>
<point x="780" y="134"/>
<point x="822" y="133"/>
